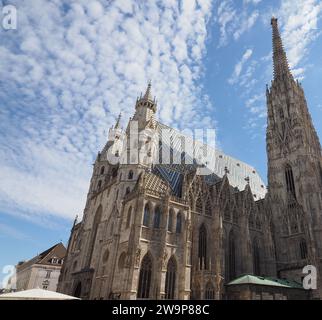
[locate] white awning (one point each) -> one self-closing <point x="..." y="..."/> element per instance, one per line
<point x="36" y="294"/>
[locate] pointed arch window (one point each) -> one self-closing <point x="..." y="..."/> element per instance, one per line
<point x="99" y="185"/>
<point x="170" y="279"/>
<point x="157" y="218"/>
<point x="144" y="287"/>
<point x="128" y="218"/>
<point x="130" y="176"/>
<point x="290" y="185"/>
<point x="210" y="291"/>
<point x="202" y="249"/>
<point x="179" y="222"/>
<point x="303" y="249"/>
<point x="231" y="256"/>
<point x="146" y="216"/>
<point x="102" y="170"/>
<point x="256" y="258"/>
<point x="170" y="220"/>
<point x="128" y="190"/>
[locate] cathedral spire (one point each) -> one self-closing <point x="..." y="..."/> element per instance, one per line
<point x="281" y="67"/>
<point x="147" y="95"/>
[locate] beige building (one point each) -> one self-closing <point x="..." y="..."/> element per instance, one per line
<point x="156" y="229"/>
<point x="42" y="271"/>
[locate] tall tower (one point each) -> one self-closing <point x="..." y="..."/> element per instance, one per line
<point x="294" y="170"/>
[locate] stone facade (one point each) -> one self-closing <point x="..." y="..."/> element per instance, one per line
<point x="163" y="231"/>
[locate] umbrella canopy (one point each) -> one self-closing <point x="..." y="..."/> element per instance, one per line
<point x="36" y="294"/>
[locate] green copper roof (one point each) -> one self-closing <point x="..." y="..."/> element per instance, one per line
<point x="266" y="281"/>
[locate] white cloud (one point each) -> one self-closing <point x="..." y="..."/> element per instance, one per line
<point x="68" y="71"/>
<point x="239" y="66"/>
<point x="234" y="21"/>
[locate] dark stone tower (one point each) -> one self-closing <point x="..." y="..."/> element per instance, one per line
<point x="294" y="170"/>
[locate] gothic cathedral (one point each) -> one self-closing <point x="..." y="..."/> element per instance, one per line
<point x="155" y="229"/>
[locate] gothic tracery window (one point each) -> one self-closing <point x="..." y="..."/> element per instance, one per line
<point x="128" y="218"/>
<point x="179" y="222"/>
<point x="170" y="279"/>
<point x="146" y="216"/>
<point x="170" y="220"/>
<point x="157" y="218"/>
<point x="290" y="186"/>
<point x="202" y="249"/>
<point x="144" y="287"/>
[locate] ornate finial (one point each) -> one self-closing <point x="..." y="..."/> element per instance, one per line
<point x="226" y="170"/>
<point x="281" y="67"/>
<point x="117" y="125"/>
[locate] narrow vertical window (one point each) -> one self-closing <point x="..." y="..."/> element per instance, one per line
<point x="146" y="216"/>
<point x="202" y="249"/>
<point x="128" y="218"/>
<point x="179" y="222"/>
<point x="144" y="287"/>
<point x="170" y="279"/>
<point x="157" y="218"/>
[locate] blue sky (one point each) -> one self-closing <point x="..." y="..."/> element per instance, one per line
<point x="72" y="66"/>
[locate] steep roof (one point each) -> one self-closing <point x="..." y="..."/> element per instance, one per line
<point x="58" y="251"/>
<point x="216" y="161"/>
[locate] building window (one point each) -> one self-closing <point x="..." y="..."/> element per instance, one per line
<point x="145" y="278"/>
<point x="202" y="249"/>
<point x="130" y="176"/>
<point x="179" y="222"/>
<point x="303" y="249"/>
<point x="127" y="191"/>
<point x="170" y="220"/>
<point x="99" y="184"/>
<point x="157" y="218"/>
<point x="128" y="218"/>
<point x="170" y="279"/>
<point x="102" y="170"/>
<point x="210" y="291"/>
<point x="256" y="258"/>
<point x="231" y="256"/>
<point x="48" y="274"/>
<point x="45" y="287"/>
<point x="290" y="186"/>
<point x="146" y="216"/>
